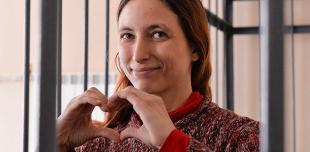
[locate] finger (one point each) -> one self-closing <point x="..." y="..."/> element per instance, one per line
<point x="139" y="133"/>
<point x="131" y="94"/>
<point x="77" y="102"/>
<point x="97" y="123"/>
<point x="115" y="102"/>
<point x="89" y="100"/>
<point x="139" y="100"/>
<point x="109" y="104"/>
<point x="94" y="92"/>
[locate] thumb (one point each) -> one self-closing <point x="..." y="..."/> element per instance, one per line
<point x="129" y="132"/>
<point x="139" y="133"/>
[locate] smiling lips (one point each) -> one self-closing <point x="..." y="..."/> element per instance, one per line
<point x="144" y="72"/>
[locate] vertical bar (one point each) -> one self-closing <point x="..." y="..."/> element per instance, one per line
<point x="59" y="56"/>
<point x="209" y="8"/>
<point x="293" y="77"/>
<point x="106" y="84"/>
<point x="86" y="45"/>
<point x="47" y="120"/>
<point x="209" y="5"/>
<point x="272" y="79"/>
<point x="216" y="55"/>
<point x="26" y="75"/>
<point x="229" y="54"/>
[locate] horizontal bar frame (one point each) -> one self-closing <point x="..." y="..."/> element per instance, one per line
<point x="296" y="29"/>
<point x="226" y="26"/>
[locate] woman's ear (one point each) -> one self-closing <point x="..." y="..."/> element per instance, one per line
<point x="195" y="56"/>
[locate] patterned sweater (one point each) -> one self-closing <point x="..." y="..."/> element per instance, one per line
<point x="201" y="126"/>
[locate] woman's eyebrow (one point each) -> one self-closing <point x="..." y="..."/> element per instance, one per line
<point x="148" y="28"/>
<point x="155" y="26"/>
<point x="125" y="28"/>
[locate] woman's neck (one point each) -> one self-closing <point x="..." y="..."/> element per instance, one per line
<point x="174" y="98"/>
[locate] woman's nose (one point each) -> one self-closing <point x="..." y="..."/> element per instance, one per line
<point x="141" y="51"/>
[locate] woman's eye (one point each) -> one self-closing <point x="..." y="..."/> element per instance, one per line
<point x="126" y="36"/>
<point x="158" y="35"/>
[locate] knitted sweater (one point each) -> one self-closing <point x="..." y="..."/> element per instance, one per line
<point x="201" y="126"/>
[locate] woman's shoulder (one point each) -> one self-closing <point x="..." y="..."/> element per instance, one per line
<point x="209" y="113"/>
<point x="221" y="128"/>
<point x="238" y="133"/>
<point x="223" y="120"/>
<point x="228" y="117"/>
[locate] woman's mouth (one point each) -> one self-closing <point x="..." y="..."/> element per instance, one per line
<point x="144" y="72"/>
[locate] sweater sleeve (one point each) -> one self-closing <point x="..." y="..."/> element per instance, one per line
<point x="245" y="139"/>
<point x="178" y="141"/>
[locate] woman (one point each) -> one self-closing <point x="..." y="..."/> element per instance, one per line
<point x="163" y="97"/>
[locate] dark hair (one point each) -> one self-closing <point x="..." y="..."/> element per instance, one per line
<point x="194" y="23"/>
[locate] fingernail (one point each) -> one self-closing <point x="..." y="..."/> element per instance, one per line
<point x="104" y="109"/>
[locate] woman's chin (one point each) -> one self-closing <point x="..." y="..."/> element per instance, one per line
<point x="146" y="88"/>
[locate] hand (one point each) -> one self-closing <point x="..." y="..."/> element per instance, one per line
<point x="157" y="124"/>
<point x="75" y="126"/>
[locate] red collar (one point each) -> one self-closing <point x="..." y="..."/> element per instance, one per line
<point x="192" y="102"/>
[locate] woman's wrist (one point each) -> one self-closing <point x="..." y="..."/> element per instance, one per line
<point x="62" y="143"/>
<point x="63" y="138"/>
<point x="168" y="133"/>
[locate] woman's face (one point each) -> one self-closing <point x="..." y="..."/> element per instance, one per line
<point x="154" y="53"/>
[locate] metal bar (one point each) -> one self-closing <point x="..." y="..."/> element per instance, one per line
<point x="302" y="29"/>
<point x="218" y="22"/>
<point x="299" y="29"/>
<point x="107" y="47"/>
<point x="209" y="5"/>
<point x="59" y="56"/>
<point x="228" y="53"/>
<point x="26" y="75"/>
<point x="293" y="78"/>
<point x="216" y="56"/>
<point x="246" y="0"/>
<point x="246" y="30"/>
<point x="48" y="67"/>
<point x="272" y="92"/>
<point x="208" y="10"/>
<point x="86" y="30"/>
